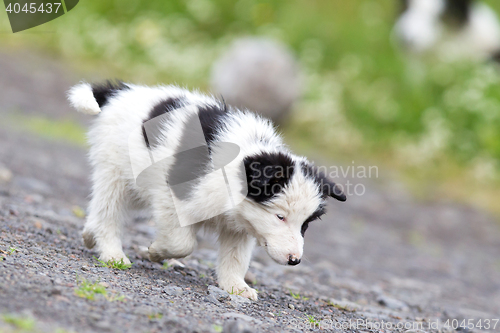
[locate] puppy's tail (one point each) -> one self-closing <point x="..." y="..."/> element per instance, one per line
<point x="82" y="98"/>
<point x="90" y="99"/>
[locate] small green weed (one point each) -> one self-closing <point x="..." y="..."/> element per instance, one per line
<point x="155" y="316"/>
<point x="21" y="322"/>
<point x="115" y="264"/>
<point x="233" y="292"/>
<point x="297" y="296"/>
<point x="89" y="290"/>
<point x="312" y="320"/>
<point x="115" y="298"/>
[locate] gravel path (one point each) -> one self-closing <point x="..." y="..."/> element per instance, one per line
<point x="377" y="263"/>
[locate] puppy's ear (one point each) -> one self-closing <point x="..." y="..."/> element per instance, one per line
<point x="331" y="189"/>
<point x="327" y="187"/>
<point x="267" y="174"/>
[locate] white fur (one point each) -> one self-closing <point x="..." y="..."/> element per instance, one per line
<point x="116" y="135"/>
<point x="82" y="99"/>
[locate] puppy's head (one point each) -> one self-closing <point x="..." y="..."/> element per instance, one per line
<point x="285" y="194"/>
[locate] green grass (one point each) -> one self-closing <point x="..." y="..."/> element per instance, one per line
<point x="297" y="296"/>
<point x="89" y="290"/>
<point x="312" y="320"/>
<point x="114" y="264"/>
<point x="20" y="322"/>
<point x="235" y="292"/>
<point x="58" y="130"/>
<point x="12" y="250"/>
<point x="155" y="316"/>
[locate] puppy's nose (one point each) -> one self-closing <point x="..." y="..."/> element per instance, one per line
<point x="292" y="260"/>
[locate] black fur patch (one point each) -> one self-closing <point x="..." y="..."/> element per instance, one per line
<point x="162" y="107"/>
<point x="314" y="216"/>
<point x="327" y="187"/>
<point x="267" y="175"/>
<point x="165" y="106"/>
<point x="457" y="12"/>
<point x="102" y="92"/>
<point x="211" y="118"/>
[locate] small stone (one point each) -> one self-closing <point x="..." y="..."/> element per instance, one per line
<point x="237" y="326"/>
<point x="38" y="224"/>
<point x="143" y="252"/>
<point x="103" y="325"/>
<point x="219" y="294"/>
<point x="291" y="306"/>
<point x="5" y="175"/>
<point x="173" y="291"/>
<point x="345" y="305"/>
<point x="391" y="303"/>
<point x="273" y="296"/>
<point x="85" y="268"/>
<point x="239" y="316"/>
<point x="104" y="284"/>
<point x="33" y="198"/>
<point x="212" y="299"/>
<point x="270" y="314"/>
<point x="55" y="292"/>
<point x="239" y="300"/>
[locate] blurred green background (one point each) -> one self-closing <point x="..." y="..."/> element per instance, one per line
<point x="436" y="125"/>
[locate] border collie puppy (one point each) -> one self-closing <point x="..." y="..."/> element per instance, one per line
<point x="455" y="28"/>
<point x="196" y="162"/>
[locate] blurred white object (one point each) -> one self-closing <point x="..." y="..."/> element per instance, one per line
<point x="259" y="74"/>
<point x="455" y="29"/>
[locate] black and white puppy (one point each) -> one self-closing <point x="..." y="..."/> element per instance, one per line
<point x="454" y="28"/>
<point x="258" y="191"/>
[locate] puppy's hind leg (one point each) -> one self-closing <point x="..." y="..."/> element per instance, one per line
<point x="106" y="215"/>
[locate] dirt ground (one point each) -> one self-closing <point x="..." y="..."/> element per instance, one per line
<point x="383" y="261"/>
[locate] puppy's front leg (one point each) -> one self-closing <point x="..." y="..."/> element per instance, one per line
<point x="235" y="252"/>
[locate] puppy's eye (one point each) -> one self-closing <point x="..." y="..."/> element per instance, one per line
<point x="281" y="217"/>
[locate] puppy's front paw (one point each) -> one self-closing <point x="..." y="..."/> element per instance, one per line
<point x="242" y="290"/>
<point x="249" y="293"/>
